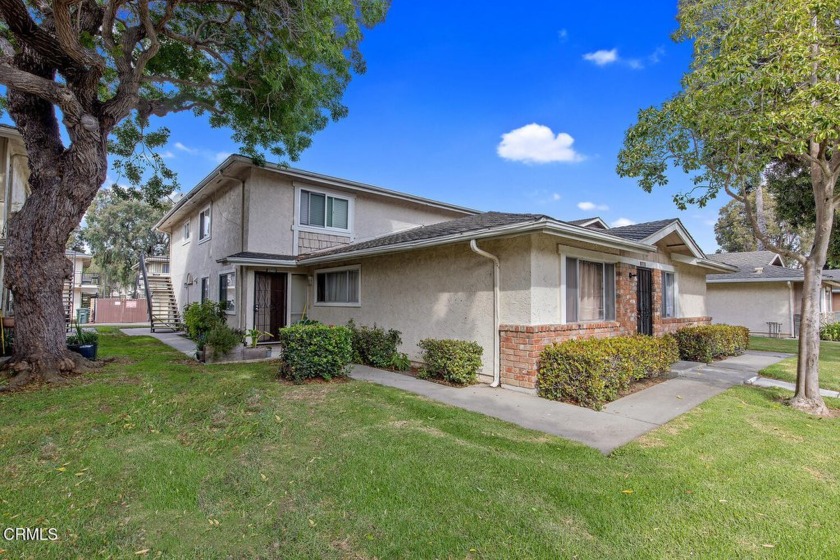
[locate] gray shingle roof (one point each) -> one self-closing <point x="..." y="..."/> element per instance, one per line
<point x="746" y="259"/>
<point x="467" y="224"/>
<point x="750" y="261"/>
<point x="640" y="232"/>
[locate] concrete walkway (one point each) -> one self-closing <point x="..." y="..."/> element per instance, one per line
<point x="620" y="421"/>
<point x="767" y="382"/>
<point x="176" y="340"/>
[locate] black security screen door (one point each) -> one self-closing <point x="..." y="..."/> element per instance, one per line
<point x="269" y="303"/>
<point x="644" y="301"/>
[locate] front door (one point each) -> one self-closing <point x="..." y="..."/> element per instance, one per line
<point x="269" y="302"/>
<point x="644" y="301"/>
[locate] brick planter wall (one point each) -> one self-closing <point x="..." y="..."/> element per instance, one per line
<point x="672" y="324"/>
<point x="521" y="344"/>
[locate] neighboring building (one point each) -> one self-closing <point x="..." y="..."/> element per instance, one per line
<point x="84" y="286"/>
<point x="276" y="244"/>
<point x="763" y="295"/>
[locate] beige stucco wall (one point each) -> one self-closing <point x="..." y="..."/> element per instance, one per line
<point x="691" y="290"/>
<point x="197" y="259"/>
<point x="750" y="305"/>
<point x="270" y="201"/>
<point x="445" y="292"/>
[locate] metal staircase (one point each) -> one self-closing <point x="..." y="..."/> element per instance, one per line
<point x="160" y="300"/>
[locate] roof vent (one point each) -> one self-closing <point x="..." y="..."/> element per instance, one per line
<point x="759" y="270"/>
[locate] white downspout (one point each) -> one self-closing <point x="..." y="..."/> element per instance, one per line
<point x="497" y="378"/>
<point x="790" y="306"/>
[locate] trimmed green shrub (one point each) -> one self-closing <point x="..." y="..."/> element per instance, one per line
<point x="705" y="343"/>
<point x="831" y="331"/>
<point x="592" y="372"/>
<point x="455" y="361"/>
<point x="400" y="362"/>
<point x="374" y="346"/>
<point x="201" y="318"/>
<point x="310" y="351"/>
<point x="222" y="339"/>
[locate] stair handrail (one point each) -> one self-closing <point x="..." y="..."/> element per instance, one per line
<point x="147" y="291"/>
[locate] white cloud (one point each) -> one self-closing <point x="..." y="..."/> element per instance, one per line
<point x="187" y="149"/>
<point x="588" y="206"/>
<point x="556" y="196"/>
<point x="602" y="57"/>
<point x="222" y="156"/>
<point x="563" y="35"/>
<point x="536" y="143"/>
<point x="622" y="222"/>
<point x="168" y="154"/>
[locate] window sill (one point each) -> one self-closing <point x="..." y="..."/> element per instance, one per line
<point x="325" y="230"/>
<point x="327" y="304"/>
<point x="205" y="240"/>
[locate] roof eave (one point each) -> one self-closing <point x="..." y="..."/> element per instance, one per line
<point x="543" y="225"/>
<point x="261" y="262"/>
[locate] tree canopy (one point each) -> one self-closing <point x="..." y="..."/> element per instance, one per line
<point x="762" y="86"/>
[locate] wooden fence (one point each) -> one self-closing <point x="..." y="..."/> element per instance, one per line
<point x="119" y="310"/>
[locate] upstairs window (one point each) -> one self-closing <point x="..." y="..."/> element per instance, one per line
<point x="669" y="299"/>
<point x="186" y="231"/>
<point x="204" y="224"/>
<point x="205" y="289"/>
<point x="590" y="291"/>
<point x="321" y="210"/>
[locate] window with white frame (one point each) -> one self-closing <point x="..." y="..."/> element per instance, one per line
<point x="322" y="210"/>
<point x="669" y="296"/>
<point x="204" y="224"/>
<point x="186" y="231"/>
<point x="590" y="291"/>
<point x="205" y="289"/>
<point x="337" y="287"/>
<point x="227" y="291"/>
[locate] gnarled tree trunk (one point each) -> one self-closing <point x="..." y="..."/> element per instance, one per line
<point x="63" y="182"/>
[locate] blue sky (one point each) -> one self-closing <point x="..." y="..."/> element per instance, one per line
<point x="446" y="81"/>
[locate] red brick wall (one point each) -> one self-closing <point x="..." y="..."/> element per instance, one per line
<point x="521" y="344"/>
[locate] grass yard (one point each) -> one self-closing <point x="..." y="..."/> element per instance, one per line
<point x="786" y="369"/>
<point x="158" y="457"/>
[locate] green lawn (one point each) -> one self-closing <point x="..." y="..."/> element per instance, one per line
<point x="786" y="369"/>
<point x="161" y="455"/>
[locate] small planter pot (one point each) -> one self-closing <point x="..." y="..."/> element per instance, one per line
<point x="8" y="322"/>
<point x="258" y="353"/>
<point x="199" y="355"/>
<point x="86" y="350"/>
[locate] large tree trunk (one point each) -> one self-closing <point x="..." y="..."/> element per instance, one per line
<point x="63" y="182"/>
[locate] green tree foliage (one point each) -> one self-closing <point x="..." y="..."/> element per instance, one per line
<point x="763" y="85"/>
<point x="734" y="233"/>
<point x="118" y="231"/>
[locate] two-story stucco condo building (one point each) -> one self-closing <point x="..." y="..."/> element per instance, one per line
<point x="276" y="244"/>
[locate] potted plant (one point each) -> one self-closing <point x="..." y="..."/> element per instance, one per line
<point x="252" y="351"/>
<point x="83" y="342"/>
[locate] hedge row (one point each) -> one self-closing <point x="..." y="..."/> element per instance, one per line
<point x="830" y="331"/>
<point x="706" y="343"/>
<point x="455" y="361"/>
<point x="377" y="347"/>
<point x="592" y="372"/>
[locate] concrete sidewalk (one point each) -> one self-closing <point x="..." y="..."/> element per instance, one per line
<point x="620" y="421"/>
<point x="174" y="339"/>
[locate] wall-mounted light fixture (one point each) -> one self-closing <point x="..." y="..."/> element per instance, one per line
<point x="631" y="275"/>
